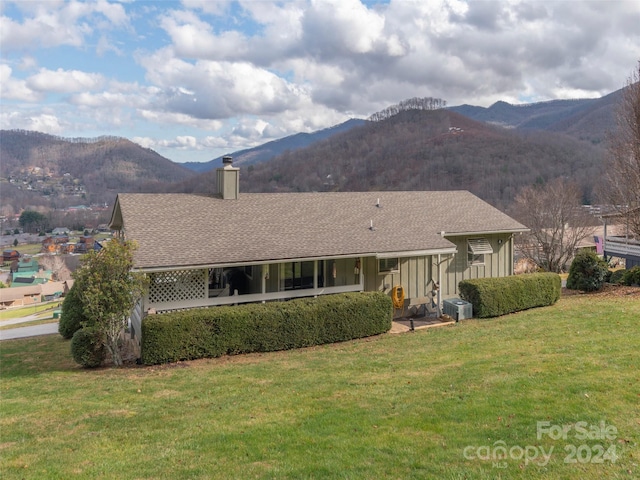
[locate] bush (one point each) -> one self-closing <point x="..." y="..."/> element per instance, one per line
<point x="492" y="297"/>
<point x="304" y="322"/>
<point x="617" y="277"/>
<point x="632" y="276"/>
<point x="72" y="315"/>
<point x="587" y="272"/>
<point x="87" y="347"/>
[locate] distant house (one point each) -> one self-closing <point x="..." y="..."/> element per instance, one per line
<point x="10" y="255"/>
<point x="54" y="244"/>
<point x="30" y="277"/>
<point x="28" y="264"/>
<point x="30" y="294"/>
<point x="84" y="244"/>
<point x="618" y="239"/>
<point x="60" y="231"/>
<point x="19" y="296"/>
<point x="234" y="248"/>
<point x="52" y="291"/>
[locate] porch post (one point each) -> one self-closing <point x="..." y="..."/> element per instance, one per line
<point x="315" y="274"/>
<point x="265" y="270"/>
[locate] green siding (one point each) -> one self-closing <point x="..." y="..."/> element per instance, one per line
<point x="498" y="264"/>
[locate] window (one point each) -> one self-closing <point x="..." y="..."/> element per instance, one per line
<point x="299" y="275"/>
<point x="388" y="265"/>
<point x="477" y="248"/>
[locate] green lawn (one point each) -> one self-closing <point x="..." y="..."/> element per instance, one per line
<point x="43" y="309"/>
<point x="435" y="403"/>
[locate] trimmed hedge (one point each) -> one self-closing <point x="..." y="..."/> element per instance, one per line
<point x="492" y="297"/>
<point x="72" y="316"/>
<point x="213" y="332"/>
<point x="87" y="347"/>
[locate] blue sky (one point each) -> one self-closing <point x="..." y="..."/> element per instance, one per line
<point x="195" y="79"/>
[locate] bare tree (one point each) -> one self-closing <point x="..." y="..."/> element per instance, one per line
<point x="58" y="267"/>
<point x="557" y="220"/>
<point x="622" y="188"/>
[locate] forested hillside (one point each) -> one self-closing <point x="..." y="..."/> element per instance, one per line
<point x="492" y="152"/>
<point x="44" y="170"/>
<point x="425" y="150"/>
<point x="585" y="119"/>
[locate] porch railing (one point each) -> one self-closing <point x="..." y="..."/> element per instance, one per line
<point x="253" y="298"/>
<point x="622" y="246"/>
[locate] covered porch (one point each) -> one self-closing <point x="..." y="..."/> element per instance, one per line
<point x="176" y="289"/>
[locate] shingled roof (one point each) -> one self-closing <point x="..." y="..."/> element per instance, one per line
<point x="180" y="230"/>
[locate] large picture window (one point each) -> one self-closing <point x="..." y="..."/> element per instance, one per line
<point x="299" y="275"/>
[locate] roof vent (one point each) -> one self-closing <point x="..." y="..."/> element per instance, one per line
<point x="227" y="160"/>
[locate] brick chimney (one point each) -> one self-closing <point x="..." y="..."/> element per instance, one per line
<point x="228" y="179"/>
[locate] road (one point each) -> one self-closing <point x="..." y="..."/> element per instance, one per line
<point x="33" y="331"/>
<point x="23" y="332"/>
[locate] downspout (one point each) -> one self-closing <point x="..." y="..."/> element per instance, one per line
<point x="439" y="286"/>
<point x="604" y="241"/>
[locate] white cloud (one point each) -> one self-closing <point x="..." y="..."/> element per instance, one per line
<point x="217" y="7"/>
<point x="41" y="121"/>
<point x="64" y="81"/>
<point x="15" y="89"/>
<point x="50" y="24"/>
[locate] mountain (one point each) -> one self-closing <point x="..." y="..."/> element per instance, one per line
<point x="424" y="150"/>
<point x="586" y="119"/>
<point x="263" y="153"/>
<point x="44" y="170"/>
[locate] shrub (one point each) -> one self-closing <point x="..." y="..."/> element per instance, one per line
<point x="587" y="272"/>
<point x="617" y="277"/>
<point x="492" y="297"/>
<point x="304" y="322"/>
<point x="632" y="276"/>
<point x="72" y="316"/>
<point x="87" y="347"/>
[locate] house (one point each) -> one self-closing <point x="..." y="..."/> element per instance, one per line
<point x="618" y="240"/>
<point x="60" y="231"/>
<point x="233" y="248"/>
<point x="10" y="255"/>
<point x="85" y="244"/>
<point x="30" y="294"/>
<point x="28" y="264"/>
<point x="54" y="244"/>
<point x="19" y="296"/>
<point x="52" y="291"/>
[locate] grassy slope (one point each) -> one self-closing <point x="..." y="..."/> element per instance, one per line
<point x="393" y="406"/>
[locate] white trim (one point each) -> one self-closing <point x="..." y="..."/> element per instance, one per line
<point x="417" y="253"/>
<point x="247" y="263"/>
<point x="490" y="232"/>
<point x="400" y="254"/>
<point x="254" y="298"/>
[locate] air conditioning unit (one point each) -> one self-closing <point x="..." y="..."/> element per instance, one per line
<point x="457" y="309"/>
